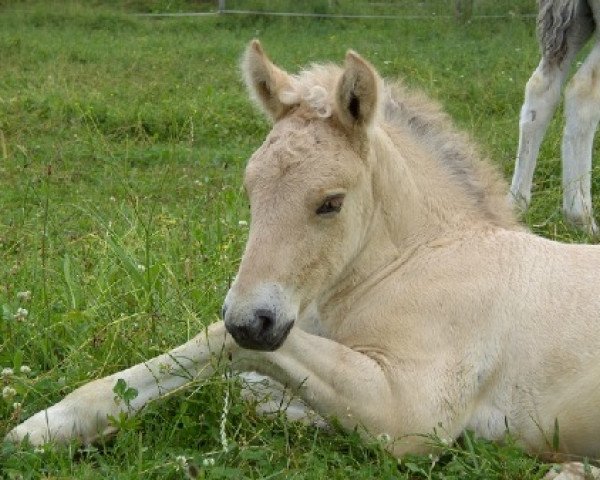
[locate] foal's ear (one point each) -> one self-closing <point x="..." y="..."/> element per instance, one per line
<point x="358" y="93"/>
<point x="264" y="80"/>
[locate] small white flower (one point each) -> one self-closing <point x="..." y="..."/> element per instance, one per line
<point x="112" y="199"/>
<point x="181" y="460"/>
<point x="243" y="223"/>
<point x="208" y="462"/>
<point x="38" y="450"/>
<point x="8" y="392"/>
<point x="141" y="268"/>
<point x="24" y="296"/>
<point x="21" y="314"/>
<point x="17" y="406"/>
<point x="25" y="369"/>
<point x="7" y="372"/>
<point x="384" y="438"/>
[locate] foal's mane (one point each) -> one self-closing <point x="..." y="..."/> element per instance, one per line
<point x="415" y="113"/>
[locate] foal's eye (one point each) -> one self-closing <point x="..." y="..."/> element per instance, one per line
<point x="332" y="204"/>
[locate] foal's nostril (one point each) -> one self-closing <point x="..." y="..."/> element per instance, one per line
<point x="265" y="319"/>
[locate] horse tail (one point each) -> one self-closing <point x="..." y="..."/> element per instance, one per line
<point x="555" y="19"/>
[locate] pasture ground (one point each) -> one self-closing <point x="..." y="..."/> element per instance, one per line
<point x="122" y="147"/>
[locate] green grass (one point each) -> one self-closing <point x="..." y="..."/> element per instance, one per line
<point x="122" y="147"/>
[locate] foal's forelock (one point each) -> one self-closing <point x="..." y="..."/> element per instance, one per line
<point x="313" y="88"/>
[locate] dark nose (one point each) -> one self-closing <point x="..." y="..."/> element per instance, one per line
<point x="258" y="332"/>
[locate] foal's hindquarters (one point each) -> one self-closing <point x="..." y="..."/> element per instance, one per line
<point x="549" y="357"/>
<point x="515" y="321"/>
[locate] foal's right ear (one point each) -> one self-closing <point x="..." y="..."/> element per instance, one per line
<point x="264" y="80"/>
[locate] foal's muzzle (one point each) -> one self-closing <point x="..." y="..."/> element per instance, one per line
<point x="261" y="333"/>
<point x="260" y="326"/>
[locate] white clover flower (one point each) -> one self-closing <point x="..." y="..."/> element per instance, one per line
<point x="38" y="450"/>
<point x="141" y="268"/>
<point x="208" y="462"/>
<point x="384" y="438"/>
<point x="24" y="296"/>
<point x="21" y="314"/>
<point x="17" y="406"/>
<point x="8" y="392"/>
<point x="243" y="223"/>
<point x="25" y="369"/>
<point x="181" y="461"/>
<point x="7" y="372"/>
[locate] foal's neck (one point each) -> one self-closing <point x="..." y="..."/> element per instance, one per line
<point x="415" y="205"/>
<point x="399" y="223"/>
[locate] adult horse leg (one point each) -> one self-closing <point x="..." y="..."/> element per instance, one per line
<point x="582" y="112"/>
<point x="542" y="94"/>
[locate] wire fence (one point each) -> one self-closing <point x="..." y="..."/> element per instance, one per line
<point x="462" y="10"/>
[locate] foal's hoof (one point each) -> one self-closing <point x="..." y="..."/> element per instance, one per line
<point x="35" y="430"/>
<point x="573" y="471"/>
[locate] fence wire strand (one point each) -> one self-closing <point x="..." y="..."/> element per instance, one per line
<point x="329" y="15"/>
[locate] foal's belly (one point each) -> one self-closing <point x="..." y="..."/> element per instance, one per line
<point x="488" y="422"/>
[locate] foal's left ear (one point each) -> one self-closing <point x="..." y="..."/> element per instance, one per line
<point x="358" y="91"/>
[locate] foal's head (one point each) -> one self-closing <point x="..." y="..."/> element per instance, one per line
<point x="310" y="191"/>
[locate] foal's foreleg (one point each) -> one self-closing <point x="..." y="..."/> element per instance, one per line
<point x="333" y="379"/>
<point x="349" y="386"/>
<point x="84" y="414"/>
<point x="582" y="113"/>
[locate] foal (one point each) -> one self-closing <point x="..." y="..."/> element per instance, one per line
<point x="564" y="26"/>
<point x="386" y="280"/>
